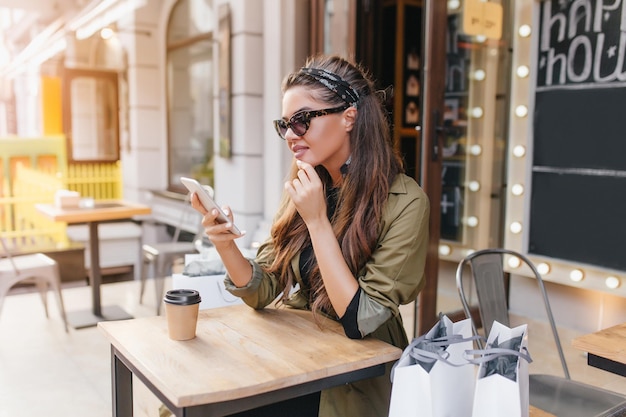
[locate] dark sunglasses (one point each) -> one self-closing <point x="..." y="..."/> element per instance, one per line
<point x="299" y="123"/>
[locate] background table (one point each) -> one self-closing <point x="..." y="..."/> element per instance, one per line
<point x="101" y="211"/>
<point x="606" y="349"/>
<point x="241" y="359"/>
<point x="537" y="412"/>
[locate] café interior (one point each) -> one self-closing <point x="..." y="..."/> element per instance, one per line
<point x="152" y="67"/>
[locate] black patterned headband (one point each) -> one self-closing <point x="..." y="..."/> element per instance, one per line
<point x="334" y="83"/>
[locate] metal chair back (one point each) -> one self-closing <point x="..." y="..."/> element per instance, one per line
<point x="557" y="395"/>
<point x="488" y="275"/>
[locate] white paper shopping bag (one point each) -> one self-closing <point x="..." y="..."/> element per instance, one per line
<point x="502" y="379"/>
<point x="432" y="378"/>
<point x="210" y="287"/>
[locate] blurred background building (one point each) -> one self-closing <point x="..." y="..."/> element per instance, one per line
<point x="489" y="107"/>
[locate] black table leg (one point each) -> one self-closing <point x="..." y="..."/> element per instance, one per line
<point x="95" y="273"/>
<point x="86" y="318"/>
<point x="122" y="387"/>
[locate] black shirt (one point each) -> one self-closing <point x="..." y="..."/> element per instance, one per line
<point x="349" y="319"/>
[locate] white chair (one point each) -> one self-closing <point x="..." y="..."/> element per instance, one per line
<point x="35" y="268"/>
<point x="159" y="258"/>
<point x="558" y="395"/>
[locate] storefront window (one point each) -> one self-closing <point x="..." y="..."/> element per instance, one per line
<point x="458" y="64"/>
<point x="190" y="92"/>
<point x="91" y="116"/>
<point x="473" y="149"/>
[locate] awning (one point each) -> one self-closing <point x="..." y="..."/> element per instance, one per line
<point x="53" y="39"/>
<point x="101" y="13"/>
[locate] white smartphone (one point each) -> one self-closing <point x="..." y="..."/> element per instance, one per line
<point x="207" y="201"/>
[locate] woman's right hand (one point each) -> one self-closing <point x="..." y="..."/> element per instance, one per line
<point x="217" y="233"/>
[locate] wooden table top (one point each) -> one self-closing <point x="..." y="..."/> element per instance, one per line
<point x="607" y="343"/>
<point x="537" y="412"/>
<point x="102" y="210"/>
<point x="239" y="352"/>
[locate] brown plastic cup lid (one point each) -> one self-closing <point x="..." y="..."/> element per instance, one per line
<point x="182" y="297"/>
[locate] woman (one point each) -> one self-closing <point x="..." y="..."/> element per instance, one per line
<point x="352" y="228"/>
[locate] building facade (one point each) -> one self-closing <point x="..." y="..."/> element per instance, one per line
<point x="197" y="83"/>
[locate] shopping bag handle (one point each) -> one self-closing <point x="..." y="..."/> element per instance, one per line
<point x="437" y="341"/>
<point x="478" y="356"/>
<point x="428" y="356"/>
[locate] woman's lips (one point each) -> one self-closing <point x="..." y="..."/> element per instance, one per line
<point x="298" y="150"/>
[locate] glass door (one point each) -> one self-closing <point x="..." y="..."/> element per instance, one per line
<point x="402" y="42"/>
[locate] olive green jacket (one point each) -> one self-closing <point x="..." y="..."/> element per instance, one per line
<point x="393" y="276"/>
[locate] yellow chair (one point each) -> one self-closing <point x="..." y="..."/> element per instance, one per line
<point x="35" y="268"/>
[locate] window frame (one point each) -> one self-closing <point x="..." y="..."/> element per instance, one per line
<point x="172" y="46"/>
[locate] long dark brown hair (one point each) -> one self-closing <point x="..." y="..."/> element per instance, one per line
<point x="362" y="196"/>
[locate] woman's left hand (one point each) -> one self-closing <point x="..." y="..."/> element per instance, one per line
<point x="307" y="193"/>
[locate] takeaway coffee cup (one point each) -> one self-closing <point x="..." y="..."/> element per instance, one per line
<point x="181" y="310"/>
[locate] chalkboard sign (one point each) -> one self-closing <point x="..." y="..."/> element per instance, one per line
<point x="578" y="202"/>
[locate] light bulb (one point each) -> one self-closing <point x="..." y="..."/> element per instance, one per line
<point x="445" y="250"/>
<point x="517" y="189"/>
<point x="514" y="262"/>
<point x="543" y="268"/>
<point x="521" y="111"/>
<point x="106" y="33"/>
<point x="479" y="75"/>
<point x="515" y="227"/>
<point x="612" y="282"/>
<point x="472" y="221"/>
<point x="473" y="186"/>
<point x="477" y="112"/>
<point x="454" y="4"/>
<point x="576" y="275"/>
<point x="519" y="151"/>
<point x="523" y="71"/>
<point x="476" y="150"/>
<point x="524" y="31"/>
